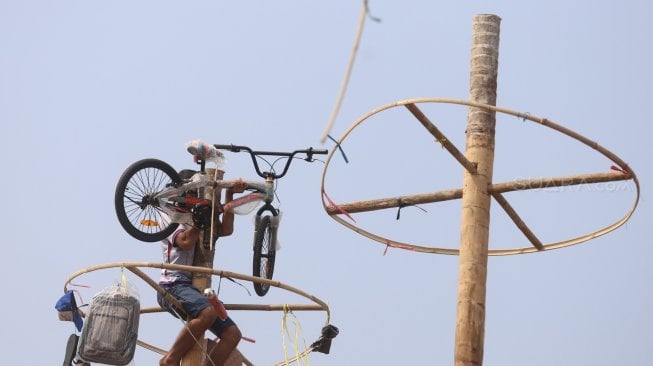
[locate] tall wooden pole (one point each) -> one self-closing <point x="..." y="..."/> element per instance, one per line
<point x="204" y="257"/>
<point x="472" y="275"/>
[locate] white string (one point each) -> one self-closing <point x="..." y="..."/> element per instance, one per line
<point x="185" y="323"/>
<point x="215" y="177"/>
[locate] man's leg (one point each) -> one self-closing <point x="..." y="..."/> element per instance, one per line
<point x="186" y="338"/>
<point x="228" y="341"/>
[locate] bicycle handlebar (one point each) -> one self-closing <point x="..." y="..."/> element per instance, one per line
<point x="238" y="148"/>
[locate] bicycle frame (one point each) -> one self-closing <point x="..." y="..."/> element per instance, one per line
<point x="166" y="199"/>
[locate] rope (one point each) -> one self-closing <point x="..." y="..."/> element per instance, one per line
<point x="402" y="205"/>
<point x="297" y="332"/>
<point x="81" y="300"/>
<point x="123" y="279"/>
<point x="197" y="341"/>
<point x="344" y="156"/>
<point x="616" y="168"/>
<point x="336" y="206"/>
<point x="389" y="244"/>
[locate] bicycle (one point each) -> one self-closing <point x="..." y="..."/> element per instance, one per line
<point x="151" y="200"/>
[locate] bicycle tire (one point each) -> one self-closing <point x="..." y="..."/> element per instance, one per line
<point x="142" y="219"/>
<point x="264" y="253"/>
<point x="71" y="349"/>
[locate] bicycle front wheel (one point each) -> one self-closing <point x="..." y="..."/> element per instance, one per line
<point x="264" y="253"/>
<point x="138" y="213"/>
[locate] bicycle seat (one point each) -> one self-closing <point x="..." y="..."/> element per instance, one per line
<point x="206" y="152"/>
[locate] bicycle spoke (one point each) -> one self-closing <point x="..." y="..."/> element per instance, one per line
<point x="130" y="199"/>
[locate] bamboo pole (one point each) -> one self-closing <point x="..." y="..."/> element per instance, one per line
<point x="472" y="276"/>
<point x="204" y="256"/>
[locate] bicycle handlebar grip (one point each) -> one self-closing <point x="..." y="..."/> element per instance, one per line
<point x="318" y="151"/>
<point x="230" y="147"/>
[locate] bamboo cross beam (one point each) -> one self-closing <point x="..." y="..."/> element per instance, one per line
<point x="517" y="220"/>
<point x="555" y="182"/>
<point x="150" y="347"/>
<point x="441" y="138"/>
<point x="452" y="194"/>
<point x="250" y="307"/>
<point x="384" y="203"/>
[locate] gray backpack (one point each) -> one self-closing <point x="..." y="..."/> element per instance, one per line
<point x="111" y="330"/>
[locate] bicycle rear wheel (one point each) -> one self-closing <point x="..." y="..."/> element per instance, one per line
<point x="137" y="212"/>
<point x="264" y="253"/>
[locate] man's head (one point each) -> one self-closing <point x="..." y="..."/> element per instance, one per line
<point x="186" y="175"/>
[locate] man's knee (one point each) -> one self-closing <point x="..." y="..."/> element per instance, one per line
<point x="231" y="334"/>
<point x="207" y="316"/>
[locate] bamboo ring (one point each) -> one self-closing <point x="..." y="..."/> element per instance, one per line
<point x="495" y="189"/>
<point x="318" y="305"/>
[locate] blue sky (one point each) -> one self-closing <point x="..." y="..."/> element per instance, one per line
<point x="87" y="88"/>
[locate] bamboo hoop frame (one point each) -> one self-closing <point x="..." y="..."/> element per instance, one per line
<point x="495" y="190"/>
<point x="133" y="267"/>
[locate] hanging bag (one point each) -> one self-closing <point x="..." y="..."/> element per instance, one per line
<point x="111" y="328"/>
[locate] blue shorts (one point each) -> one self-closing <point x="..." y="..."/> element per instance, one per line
<point x="193" y="302"/>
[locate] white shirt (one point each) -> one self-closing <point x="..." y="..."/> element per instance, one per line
<point x="175" y="255"/>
